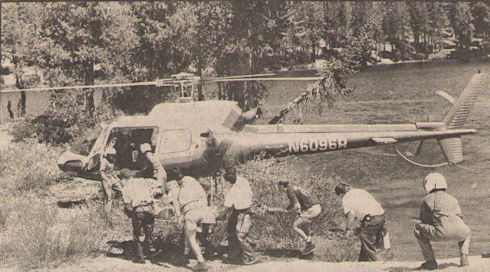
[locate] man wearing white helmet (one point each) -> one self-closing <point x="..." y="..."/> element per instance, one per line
<point x="442" y="220"/>
<point x="159" y="173"/>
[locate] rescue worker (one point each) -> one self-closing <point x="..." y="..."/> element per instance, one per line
<point x="364" y="217"/>
<point x="306" y="206"/>
<point x="110" y="182"/>
<point x="156" y="169"/>
<point x="138" y="205"/>
<point x="441" y="220"/>
<point x="191" y="202"/>
<point x="238" y="204"/>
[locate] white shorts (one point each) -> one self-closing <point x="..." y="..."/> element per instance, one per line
<point x="312" y="212"/>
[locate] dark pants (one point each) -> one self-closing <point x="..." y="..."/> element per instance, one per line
<point x="142" y="217"/>
<point x="370" y="233"/>
<point x="240" y="247"/>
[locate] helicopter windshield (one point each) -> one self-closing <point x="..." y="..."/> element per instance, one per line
<point x="84" y="144"/>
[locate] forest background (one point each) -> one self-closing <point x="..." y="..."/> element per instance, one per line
<point x="86" y="43"/>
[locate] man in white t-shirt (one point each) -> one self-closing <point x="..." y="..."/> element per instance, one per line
<point x="361" y="209"/>
<point x="138" y="205"/>
<point x="238" y="203"/>
<point x="190" y="201"/>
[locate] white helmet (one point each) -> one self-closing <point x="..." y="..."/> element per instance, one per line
<point x="434" y="181"/>
<point x="145" y="148"/>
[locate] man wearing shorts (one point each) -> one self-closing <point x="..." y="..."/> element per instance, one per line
<point x="306" y="206"/>
<point x="191" y="202"/>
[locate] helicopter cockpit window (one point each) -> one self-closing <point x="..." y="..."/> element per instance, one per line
<point x="175" y="141"/>
<point x="127" y="141"/>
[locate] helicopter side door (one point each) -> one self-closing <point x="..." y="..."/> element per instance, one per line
<point x="174" y="148"/>
<point x="96" y="153"/>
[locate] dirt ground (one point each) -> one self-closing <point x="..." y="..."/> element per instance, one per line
<point x="477" y="264"/>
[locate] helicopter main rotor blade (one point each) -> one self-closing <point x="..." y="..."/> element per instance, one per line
<point x="242" y="76"/>
<point x="269" y="79"/>
<point x="146" y="83"/>
<point x="168" y="82"/>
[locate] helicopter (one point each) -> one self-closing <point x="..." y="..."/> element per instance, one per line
<point x="205" y="134"/>
<point x="210" y="134"/>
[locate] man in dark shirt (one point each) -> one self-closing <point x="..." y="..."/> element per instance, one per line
<point x="304" y="204"/>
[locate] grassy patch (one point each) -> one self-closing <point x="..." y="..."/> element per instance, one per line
<point x="21" y="130"/>
<point x="26" y="166"/>
<point x="274" y="231"/>
<point x="38" y="234"/>
<point x="34" y="232"/>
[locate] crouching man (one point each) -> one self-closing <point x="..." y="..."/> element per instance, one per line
<point x="307" y="207"/>
<point x="442" y="220"/>
<point x="191" y="202"/>
<point x="138" y="205"/>
<point x="361" y="209"/>
<point x="238" y="204"/>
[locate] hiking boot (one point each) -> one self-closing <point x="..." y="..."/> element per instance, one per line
<point x="308" y="249"/>
<point x="463" y="261"/>
<point x="139" y="260"/>
<point x="429" y="265"/>
<point x="201" y="267"/>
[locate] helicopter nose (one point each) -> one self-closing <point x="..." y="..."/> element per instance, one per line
<point x="69" y="162"/>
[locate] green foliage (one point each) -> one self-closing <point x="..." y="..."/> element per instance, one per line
<point x="67" y="119"/>
<point x="481" y="18"/>
<point x="96" y="42"/>
<point x="460" y="18"/>
<point x="27" y="166"/>
<point x="22" y="130"/>
<point x="4" y="213"/>
<point x="41" y="235"/>
<point x="274" y="231"/>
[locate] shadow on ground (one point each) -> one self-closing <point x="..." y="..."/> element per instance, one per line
<point x="165" y="252"/>
<point x="402" y="269"/>
<point x="286" y="253"/>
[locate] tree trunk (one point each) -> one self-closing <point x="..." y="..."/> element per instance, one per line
<point x="89" y="96"/>
<point x="20" y="84"/>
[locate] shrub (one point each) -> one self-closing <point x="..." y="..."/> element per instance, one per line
<point x="27" y="166"/>
<point x="274" y="232"/>
<point x="66" y="119"/>
<point x="4" y="213"/>
<point x="22" y="130"/>
<point x="41" y="235"/>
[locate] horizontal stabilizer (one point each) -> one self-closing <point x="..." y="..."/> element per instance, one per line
<point x="384" y="140"/>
